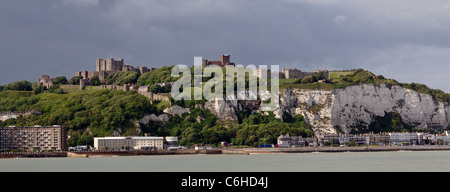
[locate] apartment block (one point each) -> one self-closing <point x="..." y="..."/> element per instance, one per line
<point x="30" y="138"/>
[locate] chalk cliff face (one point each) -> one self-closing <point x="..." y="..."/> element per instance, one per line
<point x="315" y="105"/>
<point x="355" y="107"/>
<point x="225" y="110"/>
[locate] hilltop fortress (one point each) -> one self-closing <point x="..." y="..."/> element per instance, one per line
<point x="283" y="74"/>
<point x="104" y="68"/>
<point x="290" y="73"/>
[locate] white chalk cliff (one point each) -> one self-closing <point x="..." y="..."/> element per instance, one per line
<point x="356" y="107"/>
<point x="353" y="107"/>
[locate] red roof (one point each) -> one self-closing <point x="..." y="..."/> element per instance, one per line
<point x="219" y="63"/>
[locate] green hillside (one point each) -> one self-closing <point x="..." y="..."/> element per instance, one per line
<point x="93" y="113"/>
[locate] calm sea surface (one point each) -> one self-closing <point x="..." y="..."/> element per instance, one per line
<point x="299" y="162"/>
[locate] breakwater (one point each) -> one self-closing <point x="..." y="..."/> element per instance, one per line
<point x="137" y="153"/>
<point x="32" y="155"/>
<point x="86" y="154"/>
<point x="240" y="151"/>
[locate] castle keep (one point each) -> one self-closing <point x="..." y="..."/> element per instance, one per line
<point x="106" y="67"/>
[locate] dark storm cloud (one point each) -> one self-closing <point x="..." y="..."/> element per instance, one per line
<point x="405" y="39"/>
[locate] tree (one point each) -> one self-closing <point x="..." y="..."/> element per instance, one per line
<point x="121" y="78"/>
<point x="75" y="80"/>
<point x="56" y="89"/>
<point x="19" y="86"/>
<point x="39" y="89"/>
<point x="60" y="80"/>
<point x="95" y="81"/>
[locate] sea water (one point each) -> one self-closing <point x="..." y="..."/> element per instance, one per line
<point x="293" y="162"/>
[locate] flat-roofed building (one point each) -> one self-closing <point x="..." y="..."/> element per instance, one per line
<point x="286" y="141"/>
<point x="31" y="138"/>
<point x="405" y="138"/>
<point x="172" y="142"/>
<point x="113" y="143"/>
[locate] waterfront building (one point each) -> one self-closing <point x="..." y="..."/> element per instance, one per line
<point x="344" y="139"/>
<point x="287" y="141"/>
<point x="33" y="138"/>
<point x="332" y="139"/>
<point x="311" y="141"/>
<point x="114" y="143"/>
<point x="381" y="140"/>
<point x="171" y="142"/>
<point x="406" y="138"/>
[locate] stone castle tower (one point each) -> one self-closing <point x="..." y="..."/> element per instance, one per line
<point x="109" y="64"/>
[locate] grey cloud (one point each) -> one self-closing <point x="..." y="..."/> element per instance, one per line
<point x="61" y="37"/>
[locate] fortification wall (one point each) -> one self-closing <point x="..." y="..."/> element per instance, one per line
<point x="150" y="95"/>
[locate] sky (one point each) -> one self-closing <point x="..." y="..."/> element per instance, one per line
<point x="406" y="40"/>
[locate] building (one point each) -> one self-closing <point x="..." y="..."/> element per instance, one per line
<point x="115" y="143"/>
<point x="343" y="139"/>
<point x="406" y="138"/>
<point x="45" y="81"/>
<point x="287" y="141"/>
<point x="298" y="74"/>
<point x="109" y="64"/>
<point x="171" y="142"/>
<point x="332" y="139"/>
<point x="106" y="67"/>
<point x="33" y="138"/>
<point x="224" y="61"/>
<point x="381" y="140"/>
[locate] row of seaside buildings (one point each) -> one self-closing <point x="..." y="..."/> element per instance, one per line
<point x="55" y="138"/>
<point x="43" y="138"/>
<point x="385" y="139"/>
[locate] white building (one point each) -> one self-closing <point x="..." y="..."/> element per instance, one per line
<point x="410" y="138"/>
<point x="286" y="141"/>
<point x="171" y="142"/>
<point x="111" y="143"/>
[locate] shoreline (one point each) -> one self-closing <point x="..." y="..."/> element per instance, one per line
<point x="226" y="151"/>
<point x="335" y="149"/>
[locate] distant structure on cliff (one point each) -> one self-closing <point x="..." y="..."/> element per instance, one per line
<point x="290" y="73"/>
<point x="224" y="61"/>
<point x="104" y="68"/>
<point x="298" y="74"/>
<point x="46" y="81"/>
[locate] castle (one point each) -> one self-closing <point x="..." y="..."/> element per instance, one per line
<point x="104" y="68"/>
<point x="46" y="81"/>
<point x="284" y="74"/>
<point x="224" y="61"/>
<point x="290" y="73"/>
<point x="298" y="74"/>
